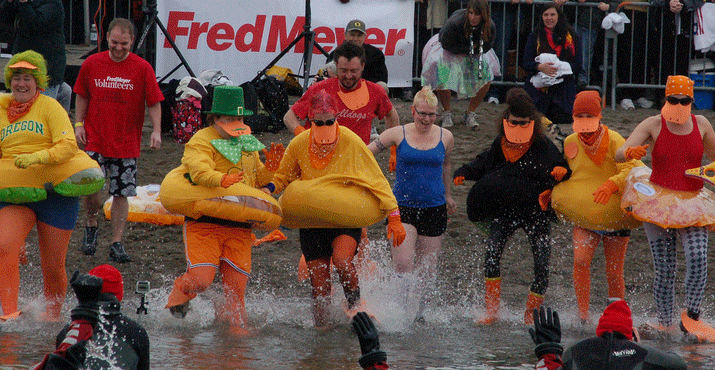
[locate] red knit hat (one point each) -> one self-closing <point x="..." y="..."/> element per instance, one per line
<point x="112" y="278"/>
<point x="617" y="318"/>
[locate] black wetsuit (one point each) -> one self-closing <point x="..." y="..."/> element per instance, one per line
<point x="117" y="336"/>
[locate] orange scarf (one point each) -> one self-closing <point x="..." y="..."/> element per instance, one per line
<point x="596" y="145"/>
<point x="557" y="48"/>
<point x="17" y="110"/>
<point x="512" y="152"/>
<point x="321" y="154"/>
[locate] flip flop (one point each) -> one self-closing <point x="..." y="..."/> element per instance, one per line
<point x="704" y="332"/>
<point x="706" y="173"/>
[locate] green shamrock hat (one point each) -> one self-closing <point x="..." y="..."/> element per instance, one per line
<point x="228" y="101"/>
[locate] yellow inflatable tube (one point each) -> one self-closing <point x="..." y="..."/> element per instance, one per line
<point x="331" y="201"/>
<point x="239" y="202"/>
<point x="80" y="175"/>
<point x="145" y="207"/>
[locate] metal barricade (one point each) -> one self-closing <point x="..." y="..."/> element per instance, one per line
<point x="643" y="59"/>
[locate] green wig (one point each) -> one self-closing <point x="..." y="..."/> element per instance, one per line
<point x="34" y="58"/>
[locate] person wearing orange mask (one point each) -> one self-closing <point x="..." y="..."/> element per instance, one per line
<point x="328" y="149"/>
<point x="679" y="140"/>
<point x="211" y="159"/>
<point x="591" y="199"/>
<point x="512" y="184"/>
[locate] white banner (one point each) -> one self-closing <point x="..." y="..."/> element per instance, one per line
<point x="242" y="37"/>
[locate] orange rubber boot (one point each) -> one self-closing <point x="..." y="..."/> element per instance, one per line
<point x="492" y="295"/>
<point x="534" y="301"/>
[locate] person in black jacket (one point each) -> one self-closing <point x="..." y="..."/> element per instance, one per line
<point x="39" y="26"/>
<point x="513" y="181"/>
<point x="116" y="338"/>
<point x="613" y="347"/>
<point x="460" y="59"/>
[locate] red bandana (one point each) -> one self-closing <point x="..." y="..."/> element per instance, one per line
<point x="557" y="48"/>
<point x="17" y="110"/>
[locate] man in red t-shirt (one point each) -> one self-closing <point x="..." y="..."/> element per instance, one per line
<point x="112" y="89"/>
<point x="358" y="100"/>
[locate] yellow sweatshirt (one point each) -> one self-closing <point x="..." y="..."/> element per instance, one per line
<point x="352" y="159"/>
<point x="45" y="126"/>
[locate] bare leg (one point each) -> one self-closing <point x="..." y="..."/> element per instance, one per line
<point x="120" y="212"/>
<point x="475" y="101"/>
<point x="92" y="204"/>
<point x="403" y="256"/>
<point x="344" y="248"/>
<point x="445" y="98"/>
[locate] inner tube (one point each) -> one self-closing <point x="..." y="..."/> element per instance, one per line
<point x="80" y="175"/>
<point x="239" y="202"/>
<point x="331" y="201"/>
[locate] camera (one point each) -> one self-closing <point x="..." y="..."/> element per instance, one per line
<point x="142" y="287"/>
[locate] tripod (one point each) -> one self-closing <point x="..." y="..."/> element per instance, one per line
<point x="308" y="37"/>
<point x="150" y="19"/>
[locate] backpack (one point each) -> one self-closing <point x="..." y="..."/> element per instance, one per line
<point x="261" y="120"/>
<point x="274" y="96"/>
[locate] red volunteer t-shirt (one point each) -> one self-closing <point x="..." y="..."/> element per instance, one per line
<point x="116" y="94"/>
<point x="374" y="104"/>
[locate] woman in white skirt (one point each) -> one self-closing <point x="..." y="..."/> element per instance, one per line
<point x="460" y="59"/>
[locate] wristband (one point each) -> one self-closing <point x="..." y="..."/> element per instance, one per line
<point x="270" y="186"/>
<point x="396" y="212"/>
<point x="79" y="124"/>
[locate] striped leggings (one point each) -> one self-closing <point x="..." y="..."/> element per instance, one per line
<point x="662" y="245"/>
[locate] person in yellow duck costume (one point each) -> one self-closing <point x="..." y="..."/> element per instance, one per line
<point x="34" y="131"/>
<point x="222" y="155"/>
<point x="591" y="198"/>
<point x="329" y="152"/>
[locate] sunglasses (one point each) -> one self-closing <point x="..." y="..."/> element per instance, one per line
<point x="675" y="101"/>
<point x="327" y="122"/>
<point x="426" y="115"/>
<point x="518" y="122"/>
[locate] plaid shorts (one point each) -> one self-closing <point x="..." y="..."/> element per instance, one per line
<point x="121" y="173"/>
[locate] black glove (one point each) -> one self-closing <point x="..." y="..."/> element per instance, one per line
<point x="369" y="340"/>
<point x="87" y="288"/>
<point x="547" y="332"/>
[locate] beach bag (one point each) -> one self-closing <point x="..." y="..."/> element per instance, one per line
<point x="274" y="96"/>
<point x="286" y="76"/>
<point x="186" y="119"/>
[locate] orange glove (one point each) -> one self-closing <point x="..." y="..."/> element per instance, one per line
<point x="545" y="199"/>
<point x="604" y="192"/>
<point x="393" y="158"/>
<point x="395" y="230"/>
<point x="274" y="156"/>
<point x="558" y="173"/>
<point x="636" y="152"/>
<point x="459" y="180"/>
<point x="298" y="130"/>
<point x="228" y="180"/>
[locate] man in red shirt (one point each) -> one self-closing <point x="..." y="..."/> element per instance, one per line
<point x="359" y="101"/>
<point x="112" y="89"/>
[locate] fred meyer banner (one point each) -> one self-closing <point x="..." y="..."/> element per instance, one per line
<point x="241" y="37"/>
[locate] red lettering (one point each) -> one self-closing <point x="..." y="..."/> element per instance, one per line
<point x="256" y="31"/>
<point x="339" y="35"/>
<point x="220" y="31"/>
<point x="393" y="36"/>
<point x="375" y="37"/>
<point x="196" y="30"/>
<point x="173" y="25"/>
<point x="323" y="36"/>
<point x="278" y="30"/>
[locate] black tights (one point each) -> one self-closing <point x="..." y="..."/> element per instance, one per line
<point x="538" y="232"/>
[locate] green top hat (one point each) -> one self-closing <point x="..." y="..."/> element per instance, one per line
<point x="228" y="101"/>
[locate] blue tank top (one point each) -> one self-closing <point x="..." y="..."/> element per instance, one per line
<point x="418" y="175"/>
